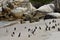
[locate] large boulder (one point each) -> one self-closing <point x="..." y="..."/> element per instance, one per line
<point x="18" y="12"/>
<point x="47" y="8"/>
<point x="54" y="14"/>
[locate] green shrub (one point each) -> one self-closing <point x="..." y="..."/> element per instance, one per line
<point x="41" y="1"/>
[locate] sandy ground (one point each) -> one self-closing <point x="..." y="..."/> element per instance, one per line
<point x="21" y="31"/>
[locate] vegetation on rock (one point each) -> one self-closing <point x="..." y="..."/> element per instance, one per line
<point x="38" y="3"/>
<point x="41" y="1"/>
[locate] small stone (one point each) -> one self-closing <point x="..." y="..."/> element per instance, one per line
<point x="46" y="26"/>
<point x="49" y="22"/>
<point x="14" y="28"/>
<point x="53" y="27"/>
<point x="28" y="30"/>
<point x="53" y="20"/>
<point x="12" y="35"/>
<point x="58" y="29"/>
<point x="19" y="34"/>
<point x="40" y="28"/>
<point x="13" y="32"/>
<point x="28" y="35"/>
<point x="55" y="24"/>
<point x="49" y="28"/>
<point x="33" y="32"/>
<point x="25" y="27"/>
<point x="35" y="27"/>
<point x="46" y="29"/>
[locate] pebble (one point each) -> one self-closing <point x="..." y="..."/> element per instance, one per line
<point x="58" y="29"/>
<point x="33" y="32"/>
<point x="55" y="24"/>
<point x="11" y="35"/>
<point x="46" y="25"/>
<point x="53" y="27"/>
<point x="28" y="30"/>
<point x="49" y="28"/>
<point x="19" y="34"/>
<point x="28" y="35"/>
<point x="46" y="29"/>
<point x="25" y="27"/>
<point x="40" y="28"/>
<point x="35" y="27"/>
<point x="14" y="28"/>
<point x="52" y="20"/>
<point x="13" y="32"/>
